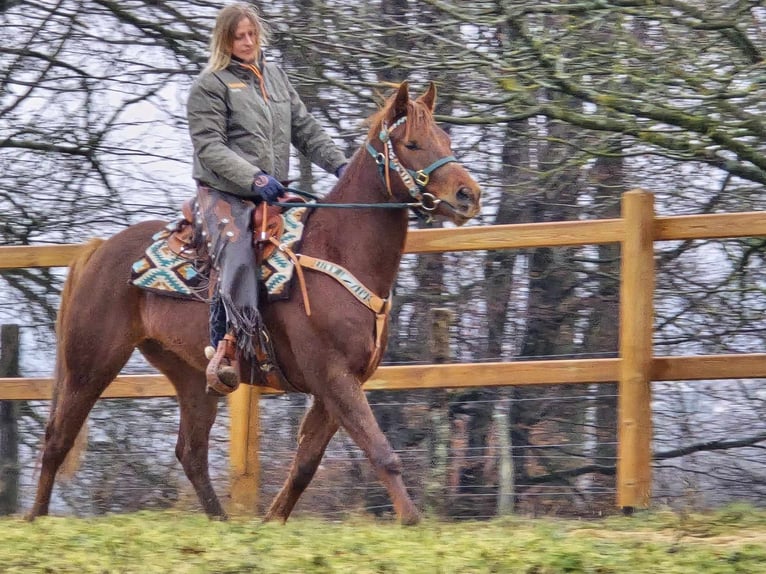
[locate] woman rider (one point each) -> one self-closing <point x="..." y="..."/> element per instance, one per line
<point x="243" y="115"/>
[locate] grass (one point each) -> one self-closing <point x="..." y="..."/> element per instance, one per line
<point x="730" y="540"/>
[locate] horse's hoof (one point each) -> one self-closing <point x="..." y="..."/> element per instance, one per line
<point x="410" y="520"/>
<point x="271" y="517"/>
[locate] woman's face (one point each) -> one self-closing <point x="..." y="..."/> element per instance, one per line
<point x="245" y="44"/>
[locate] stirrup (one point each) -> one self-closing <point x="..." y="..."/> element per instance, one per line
<point x="221" y="376"/>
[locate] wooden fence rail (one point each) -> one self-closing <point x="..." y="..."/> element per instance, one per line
<point x="634" y="369"/>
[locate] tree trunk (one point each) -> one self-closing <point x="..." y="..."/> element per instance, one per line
<point x="9" y="432"/>
<point x="438" y="445"/>
<point x="603" y="331"/>
<point x="506" y="485"/>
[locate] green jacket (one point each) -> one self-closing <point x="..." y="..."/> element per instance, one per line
<point x="237" y="132"/>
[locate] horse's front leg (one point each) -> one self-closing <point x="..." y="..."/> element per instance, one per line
<point x="317" y="428"/>
<point x="346" y="402"/>
<point x="198" y="413"/>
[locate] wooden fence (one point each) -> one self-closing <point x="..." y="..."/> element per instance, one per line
<point x="634" y="369"/>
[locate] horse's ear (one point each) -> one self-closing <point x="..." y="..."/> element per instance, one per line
<point x="429" y="98"/>
<point x="399" y="107"/>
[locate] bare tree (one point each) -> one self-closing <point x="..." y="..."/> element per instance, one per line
<point x="558" y="107"/>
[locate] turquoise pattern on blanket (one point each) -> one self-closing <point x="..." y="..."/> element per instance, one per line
<point x="163" y="271"/>
<point x="279" y="267"/>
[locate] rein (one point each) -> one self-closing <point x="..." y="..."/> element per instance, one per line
<point x="313" y="196"/>
<point x="415" y="180"/>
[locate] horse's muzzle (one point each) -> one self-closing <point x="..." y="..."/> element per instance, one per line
<point x="465" y="205"/>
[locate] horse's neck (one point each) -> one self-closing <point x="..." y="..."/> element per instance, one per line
<point x="367" y="241"/>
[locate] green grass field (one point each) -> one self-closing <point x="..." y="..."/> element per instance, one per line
<point x="730" y="540"/>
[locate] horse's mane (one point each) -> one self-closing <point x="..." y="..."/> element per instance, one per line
<point x="418" y="115"/>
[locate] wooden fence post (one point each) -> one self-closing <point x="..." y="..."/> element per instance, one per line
<point x="634" y="417"/>
<point x="244" y="443"/>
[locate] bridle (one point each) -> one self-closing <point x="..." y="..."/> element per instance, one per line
<point x="414" y="180"/>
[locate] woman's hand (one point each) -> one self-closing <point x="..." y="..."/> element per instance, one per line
<point x="267" y="187"/>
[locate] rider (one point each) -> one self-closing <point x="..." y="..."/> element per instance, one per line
<point x="243" y="115"/>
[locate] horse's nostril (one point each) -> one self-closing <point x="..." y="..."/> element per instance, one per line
<point x="464" y="194"/>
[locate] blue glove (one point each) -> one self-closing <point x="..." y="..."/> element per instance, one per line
<point x="266" y="187"/>
<point x="340" y="170"/>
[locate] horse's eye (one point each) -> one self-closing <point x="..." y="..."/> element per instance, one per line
<point x="411" y="145"/>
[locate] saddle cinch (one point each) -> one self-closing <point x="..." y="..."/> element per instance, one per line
<point x="187" y="240"/>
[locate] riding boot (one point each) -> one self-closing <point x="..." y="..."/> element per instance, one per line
<point x="221" y="375"/>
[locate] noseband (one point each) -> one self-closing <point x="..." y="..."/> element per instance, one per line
<point x="415" y="180"/>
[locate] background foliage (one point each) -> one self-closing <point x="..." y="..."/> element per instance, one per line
<point x="557" y="108"/>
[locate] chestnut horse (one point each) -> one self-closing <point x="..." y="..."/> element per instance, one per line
<point x="406" y="161"/>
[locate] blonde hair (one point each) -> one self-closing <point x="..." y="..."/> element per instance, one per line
<point x="226" y="26"/>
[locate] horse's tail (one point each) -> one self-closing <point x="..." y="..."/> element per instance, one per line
<point x="76" y="267"/>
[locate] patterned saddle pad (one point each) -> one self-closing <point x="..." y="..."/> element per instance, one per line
<point x="184" y="275"/>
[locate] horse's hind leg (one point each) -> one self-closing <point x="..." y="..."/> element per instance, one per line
<point x="77" y="391"/>
<point x="317" y="428"/>
<point x="198" y="413"/>
<point x="346" y="402"/>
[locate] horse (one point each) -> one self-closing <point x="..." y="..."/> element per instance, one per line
<point x="405" y="163"/>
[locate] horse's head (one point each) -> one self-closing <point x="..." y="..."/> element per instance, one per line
<point x="417" y="158"/>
